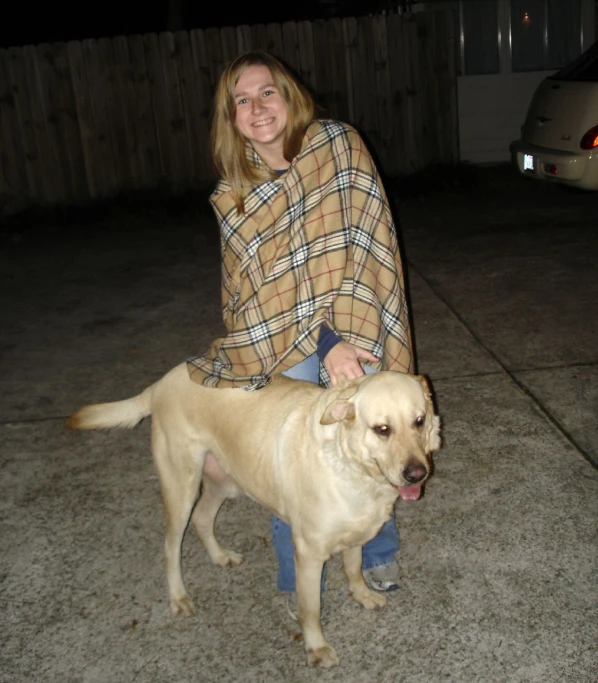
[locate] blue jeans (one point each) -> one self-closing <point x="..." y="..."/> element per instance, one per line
<point x="379" y="552"/>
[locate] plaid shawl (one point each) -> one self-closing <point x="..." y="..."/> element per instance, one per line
<point x="315" y="245"/>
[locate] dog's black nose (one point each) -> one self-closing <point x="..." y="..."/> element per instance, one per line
<point x="414" y="473"/>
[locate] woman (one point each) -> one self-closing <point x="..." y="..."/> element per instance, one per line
<point x="312" y="280"/>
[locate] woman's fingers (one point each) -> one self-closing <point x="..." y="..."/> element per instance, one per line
<point x="366" y="355"/>
<point x="343" y="362"/>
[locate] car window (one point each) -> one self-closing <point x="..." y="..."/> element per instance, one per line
<point x="584" y="68"/>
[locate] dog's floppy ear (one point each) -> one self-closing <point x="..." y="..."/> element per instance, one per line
<point x="433" y="434"/>
<point x="338" y="411"/>
<point x="425" y="384"/>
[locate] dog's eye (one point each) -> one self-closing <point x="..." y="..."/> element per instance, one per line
<point x="382" y="430"/>
<point x="420" y="421"/>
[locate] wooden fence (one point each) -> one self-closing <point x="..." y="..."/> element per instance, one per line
<point x="81" y="120"/>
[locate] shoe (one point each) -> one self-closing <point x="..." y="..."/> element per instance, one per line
<point x="384" y="579"/>
<point x="292" y="606"/>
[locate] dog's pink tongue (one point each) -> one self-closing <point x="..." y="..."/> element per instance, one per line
<point x="410" y="492"/>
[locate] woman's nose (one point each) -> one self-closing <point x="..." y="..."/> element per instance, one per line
<point x="257" y="105"/>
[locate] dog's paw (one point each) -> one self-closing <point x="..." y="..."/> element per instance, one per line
<point x="324" y="657"/>
<point x="183" y="605"/>
<point x="370" y="600"/>
<point x="229" y="558"/>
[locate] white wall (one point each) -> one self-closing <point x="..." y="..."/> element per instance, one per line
<point x="491" y="112"/>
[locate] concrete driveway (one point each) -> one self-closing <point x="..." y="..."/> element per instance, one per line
<point x="499" y="560"/>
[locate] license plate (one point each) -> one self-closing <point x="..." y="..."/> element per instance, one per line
<point x="528" y="162"/>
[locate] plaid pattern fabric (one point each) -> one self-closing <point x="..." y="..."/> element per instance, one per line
<point x="316" y="245"/>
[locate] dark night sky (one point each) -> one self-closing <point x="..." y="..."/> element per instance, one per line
<point x="65" y="21"/>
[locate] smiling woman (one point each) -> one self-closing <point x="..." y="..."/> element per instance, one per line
<point x="312" y="280"/>
<point x="262" y="115"/>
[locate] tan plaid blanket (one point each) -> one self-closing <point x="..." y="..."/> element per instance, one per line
<point x="316" y="245"/>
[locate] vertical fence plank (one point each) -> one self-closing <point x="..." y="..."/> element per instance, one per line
<point x="68" y="124"/>
<point x="356" y="77"/>
<point x="98" y="87"/>
<point x="411" y="102"/>
<point x="153" y="57"/>
<point x="28" y="111"/>
<point x="51" y="179"/>
<point x="214" y="51"/>
<point x="126" y="105"/>
<point x="275" y="40"/>
<point x="32" y="161"/>
<point x="144" y="115"/>
<point x="194" y="122"/>
<point x="51" y="124"/>
<point x="244" y="38"/>
<point x="418" y="122"/>
<point x="205" y="94"/>
<point x="84" y="116"/>
<point x="115" y="121"/>
<point x="384" y="123"/>
<point x="305" y="44"/>
<point x="14" y="186"/>
<point x="342" y="85"/>
<point x="368" y="97"/>
<point x="398" y="90"/>
<point x="259" y="37"/>
<point x="322" y="71"/>
<point x="175" y="116"/>
<point x="230" y="46"/>
<point x="7" y="156"/>
<point x="425" y="42"/>
<point x="290" y="46"/>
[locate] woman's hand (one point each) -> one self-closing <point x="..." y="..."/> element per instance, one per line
<point x="342" y="362"/>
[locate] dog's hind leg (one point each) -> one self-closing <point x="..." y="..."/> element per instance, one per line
<point x="179" y="470"/>
<point x="352" y="558"/>
<point x="204" y="517"/>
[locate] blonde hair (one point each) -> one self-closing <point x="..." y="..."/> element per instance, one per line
<point x="229" y="145"/>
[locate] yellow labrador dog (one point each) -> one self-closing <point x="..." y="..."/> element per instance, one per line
<point x="330" y="462"/>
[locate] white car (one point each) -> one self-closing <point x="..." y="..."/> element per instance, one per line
<point x="559" y="139"/>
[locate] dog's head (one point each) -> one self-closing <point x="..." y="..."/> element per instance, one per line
<point x="386" y="424"/>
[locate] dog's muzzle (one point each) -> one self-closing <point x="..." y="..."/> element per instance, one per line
<point x="413" y="475"/>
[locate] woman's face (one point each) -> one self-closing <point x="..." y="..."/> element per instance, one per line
<point x="261" y="114"/>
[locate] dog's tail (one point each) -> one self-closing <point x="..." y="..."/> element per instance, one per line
<point x="117" y="415"/>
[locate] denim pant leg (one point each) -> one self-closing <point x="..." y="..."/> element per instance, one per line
<point x="382" y="549"/>
<point x="282" y="538"/>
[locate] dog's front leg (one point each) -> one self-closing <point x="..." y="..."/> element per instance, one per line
<point x="352" y="558"/>
<point x="309" y="577"/>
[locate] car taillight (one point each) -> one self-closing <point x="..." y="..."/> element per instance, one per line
<point x="590" y="139"/>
